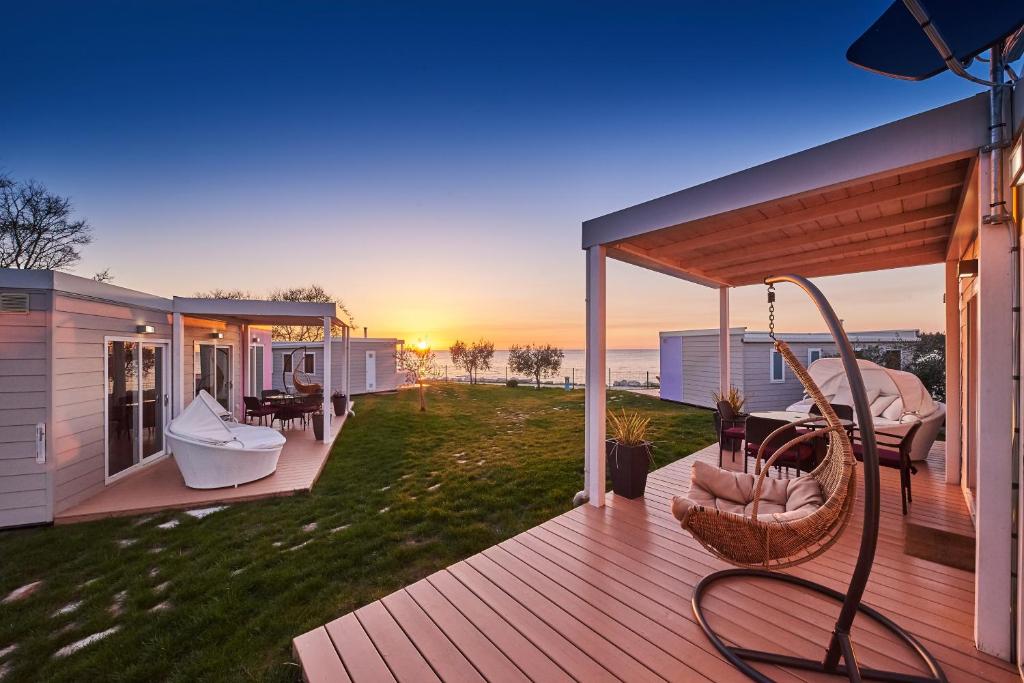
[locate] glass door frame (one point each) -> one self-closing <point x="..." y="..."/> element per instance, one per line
<point x="255" y="370"/>
<point x="196" y="359"/>
<point x="140" y="418"/>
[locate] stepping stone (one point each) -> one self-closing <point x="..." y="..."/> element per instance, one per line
<point x="383" y="510"/>
<point x="85" y="642"/>
<point x="481" y="462"/>
<point x="384" y="488"/>
<point x="296" y="547"/>
<point x="459" y="455"/>
<point x="126" y="542"/>
<point x="142" y="520"/>
<point x="406" y="476"/>
<point x="88" y="583"/>
<point x="339" y="528"/>
<point x="154" y="572"/>
<point x="205" y="512"/>
<point x="310" y="527"/>
<point x="67" y="609"/>
<point x="412" y="497"/>
<point x="236" y="572"/>
<point x="277" y="544"/>
<point x="461" y="462"/>
<point x="162" y="587"/>
<point x="5" y="669"/>
<point x="8" y="650"/>
<point x="168" y="525"/>
<point x="23" y="592"/>
<point x="434" y="487"/>
<point x="117" y="607"/>
<point x="162" y="607"/>
<point x="66" y="628"/>
<point x="155" y="551"/>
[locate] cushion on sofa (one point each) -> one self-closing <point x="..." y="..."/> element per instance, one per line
<point x="733" y="492"/>
<point x="894" y="411"/>
<point x="883" y="401"/>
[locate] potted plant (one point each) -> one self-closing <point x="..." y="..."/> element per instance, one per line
<point x="318" y="425"/>
<point x="628" y="453"/>
<point x="340" y="402"/>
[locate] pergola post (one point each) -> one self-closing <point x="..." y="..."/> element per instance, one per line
<point x="992" y="579"/>
<point x="178" y="364"/>
<point x="724" y="341"/>
<point x="952" y="301"/>
<point x="327" y="379"/>
<point x="595" y="390"/>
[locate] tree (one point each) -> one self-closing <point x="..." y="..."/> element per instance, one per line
<point x="929" y="363"/>
<point x="417" y="363"/>
<point x="36" y="228"/>
<point x="536" y="361"/>
<point x="298" y="333"/>
<point x="472" y="357"/>
<point x="103" y="276"/>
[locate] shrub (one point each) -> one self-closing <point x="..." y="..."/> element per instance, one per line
<point x="512" y="383"/>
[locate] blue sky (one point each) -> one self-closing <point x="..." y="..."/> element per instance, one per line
<point x="432" y="162"/>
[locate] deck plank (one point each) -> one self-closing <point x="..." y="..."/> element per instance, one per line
<point x="604" y="594"/>
<point x="394" y="646"/>
<point x="357" y="651"/>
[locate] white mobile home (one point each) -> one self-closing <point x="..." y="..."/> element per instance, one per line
<point x="690" y="372"/>
<point x="91" y="373"/>
<point x="368" y="363"/>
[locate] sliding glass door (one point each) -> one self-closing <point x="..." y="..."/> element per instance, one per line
<point x="136" y="404"/>
<point x="255" y="384"/>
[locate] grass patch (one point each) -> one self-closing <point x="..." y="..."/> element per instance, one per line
<point x="404" y="494"/>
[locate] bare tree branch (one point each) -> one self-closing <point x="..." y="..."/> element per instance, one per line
<point x="36" y="229"/>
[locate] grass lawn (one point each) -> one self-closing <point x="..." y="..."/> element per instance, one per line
<point x="220" y="598"/>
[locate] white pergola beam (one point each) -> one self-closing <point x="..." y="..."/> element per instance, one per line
<point x="724" y="342"/>
<point x="178" y="364"/>
<point x="327" y="378"/>
<point x="595" y="391"/>
<point x="952" y="302"/>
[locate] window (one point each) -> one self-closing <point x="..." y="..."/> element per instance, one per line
<point x="776" y="368"/>
<point x="308" y="363"/>
<point x="813" y="355"/>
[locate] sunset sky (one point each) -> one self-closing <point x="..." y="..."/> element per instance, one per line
<point x="431" y="163"/>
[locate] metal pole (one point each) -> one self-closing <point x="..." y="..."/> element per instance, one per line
<point x="869" y="537"/>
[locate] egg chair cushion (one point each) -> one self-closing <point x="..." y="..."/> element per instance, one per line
<point x="733" y="492"/>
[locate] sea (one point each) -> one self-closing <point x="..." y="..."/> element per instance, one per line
<point x="628" y="367"/>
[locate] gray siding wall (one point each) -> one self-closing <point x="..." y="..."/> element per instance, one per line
<point x="760" y="391"/>
<point x="79" y="352"/>
<point x="24" y="398"/>
<point x="700" y="367"/>
<point x="387" y="376"/>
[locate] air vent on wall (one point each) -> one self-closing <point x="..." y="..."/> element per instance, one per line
<point x="13" y="302"/>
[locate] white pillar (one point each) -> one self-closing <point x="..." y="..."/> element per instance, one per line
<point x="178" y="364"/>
<point x="327" y="378"/>
<point x="952" y="301"/>
<point x="724" y="341"/>
<point x="994" y="459"/>
<point x="595" y="391"/>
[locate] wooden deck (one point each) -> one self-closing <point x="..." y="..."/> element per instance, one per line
<point x="604" y="594"/>
<point x="160" y="486"/>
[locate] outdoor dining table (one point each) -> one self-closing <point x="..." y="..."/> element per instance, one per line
<point x="794" y="416"/>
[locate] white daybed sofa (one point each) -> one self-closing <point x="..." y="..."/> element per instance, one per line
<point x="213" y="451"/>
<point x="898" y="399"/>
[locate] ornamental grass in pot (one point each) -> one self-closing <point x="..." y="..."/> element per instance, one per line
<point x="628" y="453"/>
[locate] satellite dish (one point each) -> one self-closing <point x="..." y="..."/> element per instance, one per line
<point x="897" y="45"/>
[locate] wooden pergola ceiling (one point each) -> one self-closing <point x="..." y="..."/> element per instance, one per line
<point x="905" y="219"/>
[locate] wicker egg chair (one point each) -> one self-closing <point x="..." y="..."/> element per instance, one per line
<point x="300" y="380"/>
<point x="758" y="545"/>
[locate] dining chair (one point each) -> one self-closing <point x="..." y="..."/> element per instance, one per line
<point x="758" y="429"/>
<point x="254" y="408"/>
<point x="843" y="412"/>
<point x="730" y="427"/>
<point x="894" y="452"/>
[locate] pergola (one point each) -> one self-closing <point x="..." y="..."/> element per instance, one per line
<point x="256" y="312"/>
<point x="903" y="194"/>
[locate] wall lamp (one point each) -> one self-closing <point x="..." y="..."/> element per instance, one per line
<point x="145" y="329"/>
<point x="216" y="335"/>
<point x="967" y="268"/>
<point x="255" y="340"/>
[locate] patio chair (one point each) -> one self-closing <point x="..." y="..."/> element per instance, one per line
<point x="308" y="405"/>
<point x="894" y="452"/>
<point x="843" y="412"/>
<point x="763" y="432"/>
<point x="254" y="408"/>
<point x="286" y="413"/>
<point x="730" y="427"/>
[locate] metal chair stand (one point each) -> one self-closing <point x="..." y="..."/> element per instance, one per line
<point x="839" y="658"/>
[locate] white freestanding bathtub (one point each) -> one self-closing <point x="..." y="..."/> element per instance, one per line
<point x="212" y="453"/>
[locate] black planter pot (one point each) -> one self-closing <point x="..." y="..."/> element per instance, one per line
<point x="627" y="466"/>
<point x="340" y="404"/>
<point x="318" y="425"/>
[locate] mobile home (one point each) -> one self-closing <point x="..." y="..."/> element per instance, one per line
<point x="369" y="363"/>
<point x="690" y="372"/>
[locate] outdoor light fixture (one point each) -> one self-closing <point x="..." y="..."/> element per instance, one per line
<point x="145" y="329"/>
<point x="967" y="268"/>
<point x="255" y="340"/>
<point x="216" y="335"/>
